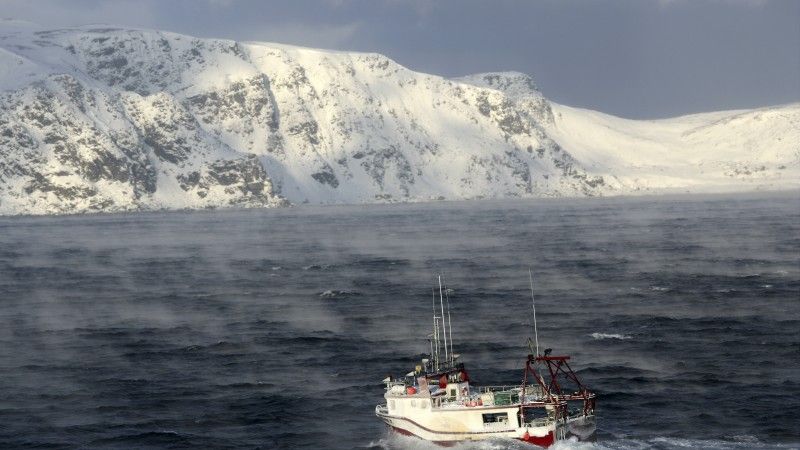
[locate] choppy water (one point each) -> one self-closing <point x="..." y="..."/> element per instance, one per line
<point x="273" y="328"/>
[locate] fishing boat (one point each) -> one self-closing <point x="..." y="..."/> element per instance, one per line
<point x="438" y="402"/>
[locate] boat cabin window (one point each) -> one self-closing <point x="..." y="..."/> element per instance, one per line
<point x="495" y="418"/>
<point x="532" y="414"/>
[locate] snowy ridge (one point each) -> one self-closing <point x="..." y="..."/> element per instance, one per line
<point x="109" y="119"/>
<point x="734" y="150"/>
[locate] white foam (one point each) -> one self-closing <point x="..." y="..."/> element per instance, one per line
<point x="599" y="336"/>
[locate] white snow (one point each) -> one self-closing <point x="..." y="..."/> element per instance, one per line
<point x="700" y="153"/>
<point x="90" y="116"/>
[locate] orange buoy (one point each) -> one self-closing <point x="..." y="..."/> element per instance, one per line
<point x="411" y="390"/>
<point x="526" y="436"/>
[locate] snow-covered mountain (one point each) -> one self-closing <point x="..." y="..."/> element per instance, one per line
<point x="111" y="119"/>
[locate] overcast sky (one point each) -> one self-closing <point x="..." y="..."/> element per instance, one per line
<point x="634" y="58"/>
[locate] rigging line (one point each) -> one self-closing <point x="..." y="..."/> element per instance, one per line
<point x="444" y="329"/>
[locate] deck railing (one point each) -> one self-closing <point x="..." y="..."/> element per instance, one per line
<point x="487" y="389"/>
<point x="529" y="390"/>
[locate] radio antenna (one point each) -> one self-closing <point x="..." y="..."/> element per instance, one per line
<point x="533" y="304"/>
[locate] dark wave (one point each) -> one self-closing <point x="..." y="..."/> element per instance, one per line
<point x="274" y="329"/>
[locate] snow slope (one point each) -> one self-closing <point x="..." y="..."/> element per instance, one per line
<point x="113" y="119"/>
<point x="712" y="152"/>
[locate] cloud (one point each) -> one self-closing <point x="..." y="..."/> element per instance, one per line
<point x="746" y="3"/>
<point x="61" y="14"/>
<point x="422" y="8"/>
<point x="311" y="35"/>
<point x="220" y="3"/>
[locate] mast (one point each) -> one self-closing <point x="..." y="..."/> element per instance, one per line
<point x="444" y="329"/>
<point x="435" y="354"/>
<point x="533" y="304"/>
<point x="430" y="341"/>
<point x="449" y="324"/>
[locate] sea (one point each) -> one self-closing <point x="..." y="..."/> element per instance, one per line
<point x="273" y="328"/>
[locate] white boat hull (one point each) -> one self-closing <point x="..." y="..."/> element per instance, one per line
<point x="448" y="427"/>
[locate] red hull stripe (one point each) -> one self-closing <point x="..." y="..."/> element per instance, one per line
<point x="543" y="441"/>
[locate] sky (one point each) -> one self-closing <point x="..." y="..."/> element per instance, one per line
<point x="632" y="58"/>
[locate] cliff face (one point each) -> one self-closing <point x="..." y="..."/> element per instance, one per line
<point x="106" y="119"/>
